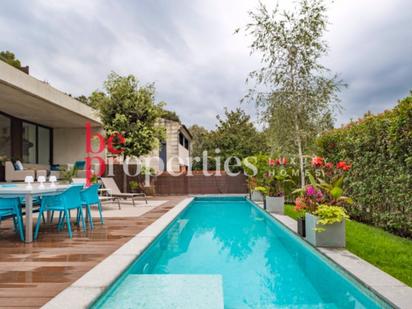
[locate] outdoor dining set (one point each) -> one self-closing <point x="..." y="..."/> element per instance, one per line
<point x="53" y="200"/>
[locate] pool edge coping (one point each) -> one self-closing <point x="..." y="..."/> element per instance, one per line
<point x="87" y="289"/>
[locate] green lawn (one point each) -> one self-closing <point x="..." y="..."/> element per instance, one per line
<point x="390" y="253"/>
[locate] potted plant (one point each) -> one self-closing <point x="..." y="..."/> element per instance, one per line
<point x="258" y="194"/>
<point x="307" y="202"/>
<point x="322" y="202"/>
<point x="275" y="199"/>
<point x="326" y="226"/>
<point x="68" y="174"/>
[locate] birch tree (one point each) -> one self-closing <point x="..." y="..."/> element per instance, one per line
<point x="296" y="95"/>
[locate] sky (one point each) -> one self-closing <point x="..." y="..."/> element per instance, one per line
<point x="189" y="49"/>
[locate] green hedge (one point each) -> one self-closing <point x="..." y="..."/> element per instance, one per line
<point x="380" y="181"/>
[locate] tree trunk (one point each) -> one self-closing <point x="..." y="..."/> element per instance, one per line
<point x="302" y="169"/>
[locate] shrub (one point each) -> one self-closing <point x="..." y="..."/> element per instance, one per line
<point x="380" y="180"/>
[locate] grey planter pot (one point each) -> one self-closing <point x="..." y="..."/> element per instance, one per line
<point x="275" y="204"/>
<point x="333" y="236"/>
<point x="257" y="196"/>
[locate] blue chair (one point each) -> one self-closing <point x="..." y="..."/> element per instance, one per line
<point x="64" y="203"/>
<point x="90" y="197"/>
<point x="9" y="208"/>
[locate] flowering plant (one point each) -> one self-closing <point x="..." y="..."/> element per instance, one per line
<point x="309" y="198"/>
<point x="278" y="177"/>
<point x="323" y="190"/>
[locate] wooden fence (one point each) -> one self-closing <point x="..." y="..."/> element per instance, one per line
<point x="166" y="184"/>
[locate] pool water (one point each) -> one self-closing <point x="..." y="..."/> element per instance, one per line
<point x="260" y="262"/>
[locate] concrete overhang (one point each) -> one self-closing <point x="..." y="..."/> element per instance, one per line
<point x="28" y="98"/>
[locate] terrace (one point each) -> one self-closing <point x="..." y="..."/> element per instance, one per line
<point x="32" y="274"/>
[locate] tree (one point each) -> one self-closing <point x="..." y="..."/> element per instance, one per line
<point x="200" y="142"/>
<point x="10" y="58"/>
<point x="169" y="115"/>
<point x="234" y="136"/>
<point x="130" y="109"/>
<point x="299" y="94"/>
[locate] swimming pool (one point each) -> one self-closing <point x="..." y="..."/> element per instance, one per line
<point x="230" y="244"/>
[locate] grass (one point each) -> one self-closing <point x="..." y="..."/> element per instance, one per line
<point x="386" y="251"/>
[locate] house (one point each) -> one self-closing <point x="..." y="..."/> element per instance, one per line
<point x="40" y="125"/>
<point x="175" y="150"/>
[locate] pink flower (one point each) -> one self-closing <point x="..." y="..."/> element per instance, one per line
<point x="310" y="190"/>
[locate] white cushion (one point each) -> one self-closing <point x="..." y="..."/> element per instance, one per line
<point x="19" y="165"/>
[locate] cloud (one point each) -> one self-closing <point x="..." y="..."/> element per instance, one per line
<point x="188" y="49"/>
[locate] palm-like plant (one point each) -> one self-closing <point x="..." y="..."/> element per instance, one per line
<point x="333" y="191"/>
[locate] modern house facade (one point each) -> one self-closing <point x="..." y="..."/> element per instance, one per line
<point x="175" y="150"/>
<point x="40" y="125"/>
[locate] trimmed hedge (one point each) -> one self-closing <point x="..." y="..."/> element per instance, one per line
<point x="380" y="181"/>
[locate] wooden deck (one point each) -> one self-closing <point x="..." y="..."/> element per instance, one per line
<point x="32" y="274"/>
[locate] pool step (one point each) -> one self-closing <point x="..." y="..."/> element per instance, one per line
<point x="168" y="291"/>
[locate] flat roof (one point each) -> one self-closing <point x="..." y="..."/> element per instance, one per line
<point x="28" y="98"/>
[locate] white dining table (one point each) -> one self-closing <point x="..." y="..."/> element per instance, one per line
<point x="29" y="192"/>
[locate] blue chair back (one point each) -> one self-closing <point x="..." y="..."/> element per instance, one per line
<point x="72" y="198"/>
<point x="90" y="195"/>
<point x="9" y="206"/>
<point x="9" y="203"/>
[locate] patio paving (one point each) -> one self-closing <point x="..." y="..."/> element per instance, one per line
<point x="32" y="274"/>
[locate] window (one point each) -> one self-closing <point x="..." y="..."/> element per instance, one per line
<point x="5" y="137"/>
<point x="43" y="145"/>
<point x="183" y="140"/>
<point x="29" y="143"/>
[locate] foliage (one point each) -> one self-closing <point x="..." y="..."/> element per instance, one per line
<point x="380" y="180"/>
<point x="134" y="185"/>
<point x="382" y="249"/>
<point x="324" y="189"/>
<point x="263" y="190"/>
<point x="10" y="58"/>
<point x="200" y="143"/>
<point x="329" y="215"/>
<point x="126" y="107"/>
<point x="234" y="136"/>
<point x="299" y="94"/>
<point x="94" y="179"/>
<point x="279" y="178"/>
<point x="169" y="115"/>
<point x="67" y="174"/>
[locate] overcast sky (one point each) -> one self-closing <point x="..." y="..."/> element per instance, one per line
<point x="188" y="49"/>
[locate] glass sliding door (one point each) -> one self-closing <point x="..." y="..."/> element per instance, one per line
<point x="5" y="137"/>
<point x="29" y="145"/>
<point x="43" y="145"/>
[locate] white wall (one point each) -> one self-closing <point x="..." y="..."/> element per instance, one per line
<point x="69" y="144"/>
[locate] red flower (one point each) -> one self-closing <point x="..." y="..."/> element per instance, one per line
<point x="318" y="161"/>
<point x="271" y="162"/>
<point x="343" y="166"/>
<point x="329" y="165"/>
<point x="283" y="161"/>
